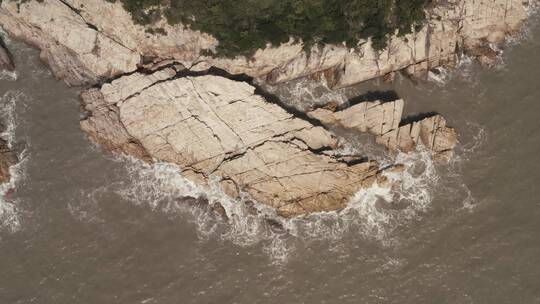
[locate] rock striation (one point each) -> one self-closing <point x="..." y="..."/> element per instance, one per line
<point x="213" y="126"/>
<point x="88" y="41"/>
<point x="384" y="120"/>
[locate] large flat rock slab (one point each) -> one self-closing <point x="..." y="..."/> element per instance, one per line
<point x="213" y="126"/>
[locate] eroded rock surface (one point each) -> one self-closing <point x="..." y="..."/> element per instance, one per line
<point x="384" y="120"/>
<point x="213" y="126"/>
<point x="85" y="41"/>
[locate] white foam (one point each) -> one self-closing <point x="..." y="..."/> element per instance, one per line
<point x="441" y="77"/>
<point x="9" y="215"/>
<point x="4" y="74"/>
<point x="371" y="213"/>
<point x="8" y="75"/>
<point x="8" y="115"/>
<point x="479" y="139"/>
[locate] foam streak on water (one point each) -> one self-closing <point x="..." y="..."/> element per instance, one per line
<point x="9" y="219"/>
<point x="372" y="213"/>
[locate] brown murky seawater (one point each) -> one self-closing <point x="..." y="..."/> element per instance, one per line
<point x="84" y="226"/>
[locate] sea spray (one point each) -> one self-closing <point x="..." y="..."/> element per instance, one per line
<point x="373" y="213"/>
<point x="9" y="215"/>
<point x="5" y="74"/>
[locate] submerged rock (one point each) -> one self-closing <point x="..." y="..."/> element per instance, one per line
<point x="213" y="126"/>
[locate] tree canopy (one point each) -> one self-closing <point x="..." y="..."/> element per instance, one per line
<point x="244" y="26"/>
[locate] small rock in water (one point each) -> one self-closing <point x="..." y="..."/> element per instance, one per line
<point x="6" y="60"/>
<point x="251" y="209"/>
<point x="200" y="202"/>
<point x="217" y="207"/>
<point x="276" y="226"/>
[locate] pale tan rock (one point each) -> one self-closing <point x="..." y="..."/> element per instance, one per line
<point x="431" y="132"/>
<point x="383" y="121"/>
<point x="374" y="117"/>
<point x="104" y="127"/>
<point x="212" y="126"/>
<point x="75" y="51"/>
<point x="323" y="115"/>
<point x="86" y="41"/>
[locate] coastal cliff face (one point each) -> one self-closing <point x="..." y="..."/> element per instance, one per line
<point x="88" y="41"/>
<point x="155" y="96"/>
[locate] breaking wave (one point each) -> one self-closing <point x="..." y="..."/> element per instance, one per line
<point x="9" y="215"/>
<point x="8" y="75"/>
<point x="372" y="214"/>
<point x="4" y="74"/>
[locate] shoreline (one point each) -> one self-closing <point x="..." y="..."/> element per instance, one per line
<point x="105" y="114"/>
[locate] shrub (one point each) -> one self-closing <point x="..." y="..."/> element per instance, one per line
<point x="244" y="26"/>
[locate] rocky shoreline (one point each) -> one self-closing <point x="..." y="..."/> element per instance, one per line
<point x="213" y="126"/>
<point x="91" y="41"/>
<point x="156" y="97"/>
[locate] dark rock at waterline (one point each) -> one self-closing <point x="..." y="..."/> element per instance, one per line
<point x="203" y="203"/>
<point x="276" y="226"/>
<point x="7" y="159"/>
<point x="6" y="59"/>
<point x="217" y="207"/>
<point x="200" y="202"/>
<point x="250" y="207"/>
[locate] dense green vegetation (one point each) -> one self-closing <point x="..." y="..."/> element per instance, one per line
<point x="244" y="26"/>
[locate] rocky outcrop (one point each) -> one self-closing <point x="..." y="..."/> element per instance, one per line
<point x="384" y="120"/>
<point x="87" y="41"/>
<point x="213" y="126"/>
<point x="152" y="97"/>
<point x="6" y="60"/>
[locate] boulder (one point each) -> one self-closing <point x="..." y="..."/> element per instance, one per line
<point x="384" y="120"/>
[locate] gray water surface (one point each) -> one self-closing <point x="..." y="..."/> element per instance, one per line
<point x="92" y="227"/>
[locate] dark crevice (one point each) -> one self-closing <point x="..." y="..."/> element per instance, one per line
<point x="214" y="71"/>
<point x="416" y="118"/>
<point x="91" y="26"/>
<point x="355" y="161"/>
<point x="78" y="12"/>
<point x="269" y="97"/>
<point x="383" y="96"/>
<point x="370" y="96"/>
